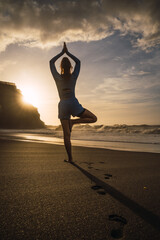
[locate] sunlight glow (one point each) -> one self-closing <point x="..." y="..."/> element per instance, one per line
<point x="35" y="92"/>
<point x="29" y="88"/>
<point x="30" y="96"/>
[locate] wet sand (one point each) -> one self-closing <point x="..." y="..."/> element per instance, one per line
<point x="107" y="194"/>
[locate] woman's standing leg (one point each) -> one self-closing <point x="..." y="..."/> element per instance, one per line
<point x="67" y="138"/>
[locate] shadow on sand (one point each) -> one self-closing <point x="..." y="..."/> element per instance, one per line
<point x="145" y="214"/>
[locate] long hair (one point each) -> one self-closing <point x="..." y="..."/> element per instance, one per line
<point x="65" y="68"/>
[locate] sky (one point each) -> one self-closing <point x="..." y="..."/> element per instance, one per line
<point x="118" y="45"/>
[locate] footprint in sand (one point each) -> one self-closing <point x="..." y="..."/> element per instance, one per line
<point x="96" y="187"/>
<point x="90" y="167"/>
<point x="117" y="225"/>
<point x="101" y="190"/>
<point x="89" y="164"/>
<point x="107" y="176"/>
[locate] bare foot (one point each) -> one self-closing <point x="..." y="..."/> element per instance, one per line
<point x="68" y="161"/>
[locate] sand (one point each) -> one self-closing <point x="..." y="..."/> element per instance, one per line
<point x="107" y="194"/>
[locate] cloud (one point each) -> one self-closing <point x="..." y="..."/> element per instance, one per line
<point x="47" y="23"/>
<point x="128" y="89"/>
<point x="5" y="64"/>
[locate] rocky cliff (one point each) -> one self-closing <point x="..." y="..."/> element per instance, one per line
<point x="14" y="113"/>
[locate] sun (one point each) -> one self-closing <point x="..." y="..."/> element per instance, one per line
<point x="31" y="96"/>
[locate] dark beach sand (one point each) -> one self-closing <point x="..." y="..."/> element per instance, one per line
<point x="42" y="197"/>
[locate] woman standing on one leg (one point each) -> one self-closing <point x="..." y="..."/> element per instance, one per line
<point x="69" y="104"/>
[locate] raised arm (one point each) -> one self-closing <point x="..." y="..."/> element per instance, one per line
<point x="77" y="61"/>
<point x="52" y="64"/>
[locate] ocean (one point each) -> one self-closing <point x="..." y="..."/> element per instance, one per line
<point x="141" y="138"/>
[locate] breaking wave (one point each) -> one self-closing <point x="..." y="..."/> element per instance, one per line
<point x="133" y="137"/>
<point x="117" y="128"/>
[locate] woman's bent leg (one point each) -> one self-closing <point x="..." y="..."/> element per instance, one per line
<point x="86" y="117"/>
<point x="67" y="138"/>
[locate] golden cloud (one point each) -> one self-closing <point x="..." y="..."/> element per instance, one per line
<point x="47" y="23"/>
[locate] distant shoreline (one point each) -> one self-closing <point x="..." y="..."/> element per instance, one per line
<point x="109" y="145"/>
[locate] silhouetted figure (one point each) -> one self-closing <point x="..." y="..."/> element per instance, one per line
<point x="69" y="104"/>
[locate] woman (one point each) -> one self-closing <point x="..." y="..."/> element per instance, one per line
<point x="69" y="104"/>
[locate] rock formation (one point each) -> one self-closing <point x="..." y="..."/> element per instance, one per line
<point x="14" y="113"/>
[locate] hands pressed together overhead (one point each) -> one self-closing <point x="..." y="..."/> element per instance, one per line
<point x="64" y="50"/>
